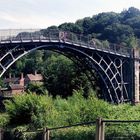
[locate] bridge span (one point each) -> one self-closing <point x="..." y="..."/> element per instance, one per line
<point x="116" y="66"/>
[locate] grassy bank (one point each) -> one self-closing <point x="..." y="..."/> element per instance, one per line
<point x="32" y="112"/>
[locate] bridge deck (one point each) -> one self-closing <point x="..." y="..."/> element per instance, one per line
<point x="26" y="36"/>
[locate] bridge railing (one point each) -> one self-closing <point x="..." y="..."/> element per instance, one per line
<point x="88" y="42"/>
<point x="63" y="36"/>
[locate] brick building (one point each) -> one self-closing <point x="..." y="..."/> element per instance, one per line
<point x="17" y="85"/>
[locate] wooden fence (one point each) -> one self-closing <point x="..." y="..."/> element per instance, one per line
<point x="100" y="128"/>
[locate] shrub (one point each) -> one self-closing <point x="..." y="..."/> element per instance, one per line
<point x="76" y="133"/>
<point x="29" y="109"/>
<point x="38" y="88"/>
<point x="4" y="119"/>
<point x="36" y="111"/>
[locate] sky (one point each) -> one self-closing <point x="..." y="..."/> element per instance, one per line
<point x="22" y="14"/>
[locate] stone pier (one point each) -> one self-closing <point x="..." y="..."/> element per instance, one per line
<point x="136" y="75"/>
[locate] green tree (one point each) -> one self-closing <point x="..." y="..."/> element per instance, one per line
<point x="71" y="27"/>
<point x="132" y="41"/>
<point x="130" y="13"/>
<point x="117" y="33"/>
<point x="37" y="88"/>
<point x="61" y="76"/>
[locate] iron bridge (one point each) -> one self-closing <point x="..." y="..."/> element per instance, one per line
<point x="116" y="66"/>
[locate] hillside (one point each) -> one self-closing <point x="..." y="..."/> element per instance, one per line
<point x="121" y="28"/>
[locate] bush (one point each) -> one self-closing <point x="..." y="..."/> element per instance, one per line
<point x="38" y="88"/>
<point x="4" y="119"/>
<point x="29" y="109"/>
<point x="21" y="133"/>
<point x="76" y="133"/>
<point x="36" y="111"/>
<point x="76" y="109"/>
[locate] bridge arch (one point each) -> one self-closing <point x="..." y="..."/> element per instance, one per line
<point x="109" y="64"/>
<point x="95" y="63"/>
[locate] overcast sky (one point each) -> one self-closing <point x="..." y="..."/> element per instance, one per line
<point x="44" y="13"/>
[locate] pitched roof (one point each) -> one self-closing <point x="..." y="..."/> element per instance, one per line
<point x="16" y="86"/>
<point x="36" y="77"/>
<point x="13" y="80"/>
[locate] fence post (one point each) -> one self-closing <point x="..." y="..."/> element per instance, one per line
<point x="44" y="134"/>
<point x="1" y="134"/>
<point x="102" y="130"/>
<point x="99" y="129"/>
<point x="48" y="134"/>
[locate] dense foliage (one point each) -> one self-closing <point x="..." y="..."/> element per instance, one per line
<point x="31" y="111"/>
<point x="29" y="108"/>
<point x="61" y="76"/>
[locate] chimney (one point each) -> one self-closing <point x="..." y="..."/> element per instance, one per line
<point x="21" y="77"/>
<point x="21" y="81"/>
<point x="10" y="75"/>
<point x="35" y="72"/>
